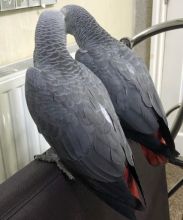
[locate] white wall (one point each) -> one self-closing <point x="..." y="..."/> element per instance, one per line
<point x="18" y="26"/>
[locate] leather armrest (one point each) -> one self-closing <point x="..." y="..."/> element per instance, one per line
<point x="41" y="192"/>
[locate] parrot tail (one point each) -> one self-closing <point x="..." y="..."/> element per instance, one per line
<point x="153" y="158"/>
<point x="158" y="148"/>
<point x="132" y="180"/>
<point x="168" y="151"/>
<point x="117" y="195"/>
<point x="166" y="137"/>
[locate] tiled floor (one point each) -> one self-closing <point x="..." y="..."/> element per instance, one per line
<point x="176" y="201"/>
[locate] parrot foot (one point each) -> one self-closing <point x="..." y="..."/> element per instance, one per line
<point x="50" y="156"/>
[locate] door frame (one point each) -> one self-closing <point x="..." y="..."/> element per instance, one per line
<point x="159" y="15"/>
<point x="157" y="49"/>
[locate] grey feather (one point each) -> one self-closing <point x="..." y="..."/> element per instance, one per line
<point x="124" y="74"/>
<point x="73" y="111"/>
<point x="79" y="127"/>
<point x="129" y="85"/>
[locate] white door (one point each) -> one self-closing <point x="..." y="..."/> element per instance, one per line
<point x="171" y="79"/>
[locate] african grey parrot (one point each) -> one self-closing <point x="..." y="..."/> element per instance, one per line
<point x="73" y="111"/>
<point x="127" y="80"/>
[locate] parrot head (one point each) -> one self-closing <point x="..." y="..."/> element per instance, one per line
<point x="74" y="17"/>
<point x="83" y="26"/>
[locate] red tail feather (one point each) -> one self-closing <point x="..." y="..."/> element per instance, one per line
<point x="153" y="158"/>
<point x="131" y="183"/>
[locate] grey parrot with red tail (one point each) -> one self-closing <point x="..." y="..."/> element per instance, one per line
<point x="128" y="82"/>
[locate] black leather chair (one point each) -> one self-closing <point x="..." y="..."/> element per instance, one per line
<point x="41" y="192"/>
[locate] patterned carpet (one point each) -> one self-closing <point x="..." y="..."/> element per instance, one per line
<point x="174" y="174"/>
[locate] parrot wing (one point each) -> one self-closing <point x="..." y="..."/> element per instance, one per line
<point x="79" y="127"/>
<point x="134" y="97"/>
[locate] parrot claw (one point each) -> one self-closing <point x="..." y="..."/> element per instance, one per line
<point x="50" y="156"/>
